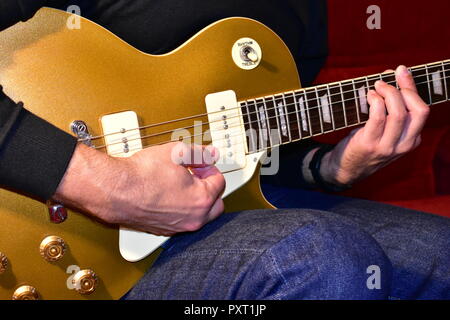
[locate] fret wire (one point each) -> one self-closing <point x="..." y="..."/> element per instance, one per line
<point x="269" y="133"/>
<point x="429" y="87"/>
<point x="331" y="107"/>
<point x="442" y="83"/>
<point x="368" y="106"/>
<point x="297" y="114"/>
<point x="309" y="117"/>
<point x="396" y="83"/>
<point x="252" y="132"/>
<point x="444" y="80"/>
<point x="277" y="115"/>
<point x="343" y="103"/>
<point x="326" y="125"/>
<point x="286" y="117"/>
<point x="447" y="82"/>
<point x="258" y="120"/>
<point x="319" y="108"/>
<point x="381" y="78"/>
<point x="423" y="88"/>
<point x="357" y="101"/>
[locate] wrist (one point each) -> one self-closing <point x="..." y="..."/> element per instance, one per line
<point x="329" y="170"/>
<point x="87" y="181"/>
<point x="324" y="170"/>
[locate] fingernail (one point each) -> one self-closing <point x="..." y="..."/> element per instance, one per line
<point x="380" y="83"/>
<point x="402" y="70"/>
<point x="214" y="152"/>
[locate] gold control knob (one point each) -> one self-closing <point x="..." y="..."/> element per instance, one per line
<point x="3" y="263"/>
<point x="85" y="281"/>
<point x="52" y="248"/>
<point x="25" y="293"/>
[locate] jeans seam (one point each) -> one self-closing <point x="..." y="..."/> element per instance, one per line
<point x="207" y="252"/>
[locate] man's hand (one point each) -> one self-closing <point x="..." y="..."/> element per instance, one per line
<point x="395" y="123"/>
<point x="151" y="191"/>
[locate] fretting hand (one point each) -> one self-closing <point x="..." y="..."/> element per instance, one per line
<point x="396" y="119"/>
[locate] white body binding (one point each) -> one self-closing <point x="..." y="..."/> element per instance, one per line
<point x="229" y="137"/>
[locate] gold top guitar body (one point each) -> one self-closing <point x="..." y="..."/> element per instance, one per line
<point x="63" y="75"/>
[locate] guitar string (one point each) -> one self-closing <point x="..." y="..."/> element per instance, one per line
<point x="306" y="110"/>
<point x="259" y="135"/>
<point x="295" y="92"/>
<point x="348" y="112"/>
<point x="205" y="114"/>
<point x="319" y="87"/>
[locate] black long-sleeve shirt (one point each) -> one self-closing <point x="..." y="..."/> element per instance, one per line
<point x="34" y="154"/>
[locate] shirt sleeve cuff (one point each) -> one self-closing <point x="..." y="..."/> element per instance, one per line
<point x="290" y="165"/>
<point x="34" y="156"/>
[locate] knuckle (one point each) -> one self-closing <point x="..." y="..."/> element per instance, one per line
<point x="205" y="203"/>
<point x="193" y="226"/>
<point x="376" y="99"/>
<point x="392" y="90"/>
<point x="370" y="148"/>
<point x="398" y="116"/>
<point x="418" y="141"/>
<point x="378" y="119"/>
<point x="404" y="149"/>
<point x="424" y="110"/>
<point x="222" y="182"/>
<point x="218" y="208"/>
<point x="386" y="152"/>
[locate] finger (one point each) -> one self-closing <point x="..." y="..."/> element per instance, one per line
<point x="194" y="156"/>
<point x="405" y="79"/>
<point x="216" y="210"/>
<point x="213" y="181"/>
<point x="374" y="128"/>
<point x="397" y="114"/>
<point x="418" y="115"/>
<point x="203" y="172"/>
<point x="418" y="109"/>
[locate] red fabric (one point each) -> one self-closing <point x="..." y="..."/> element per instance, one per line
<point x="412" y="33"/>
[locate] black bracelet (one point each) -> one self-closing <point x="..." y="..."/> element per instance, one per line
<point x="314" y="166"/>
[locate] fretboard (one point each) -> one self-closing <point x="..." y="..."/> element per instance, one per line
<point x="291" y="116"/>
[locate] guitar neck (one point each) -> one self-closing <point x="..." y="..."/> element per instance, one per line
<point x="291" y="116"/>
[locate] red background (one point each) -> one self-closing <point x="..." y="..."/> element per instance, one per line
<point x="412" y="33"/>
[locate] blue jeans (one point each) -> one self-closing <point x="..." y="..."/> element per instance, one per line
<point x="330" y="247"/>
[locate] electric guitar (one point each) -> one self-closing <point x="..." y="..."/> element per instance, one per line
<point x="234" y="83"/>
